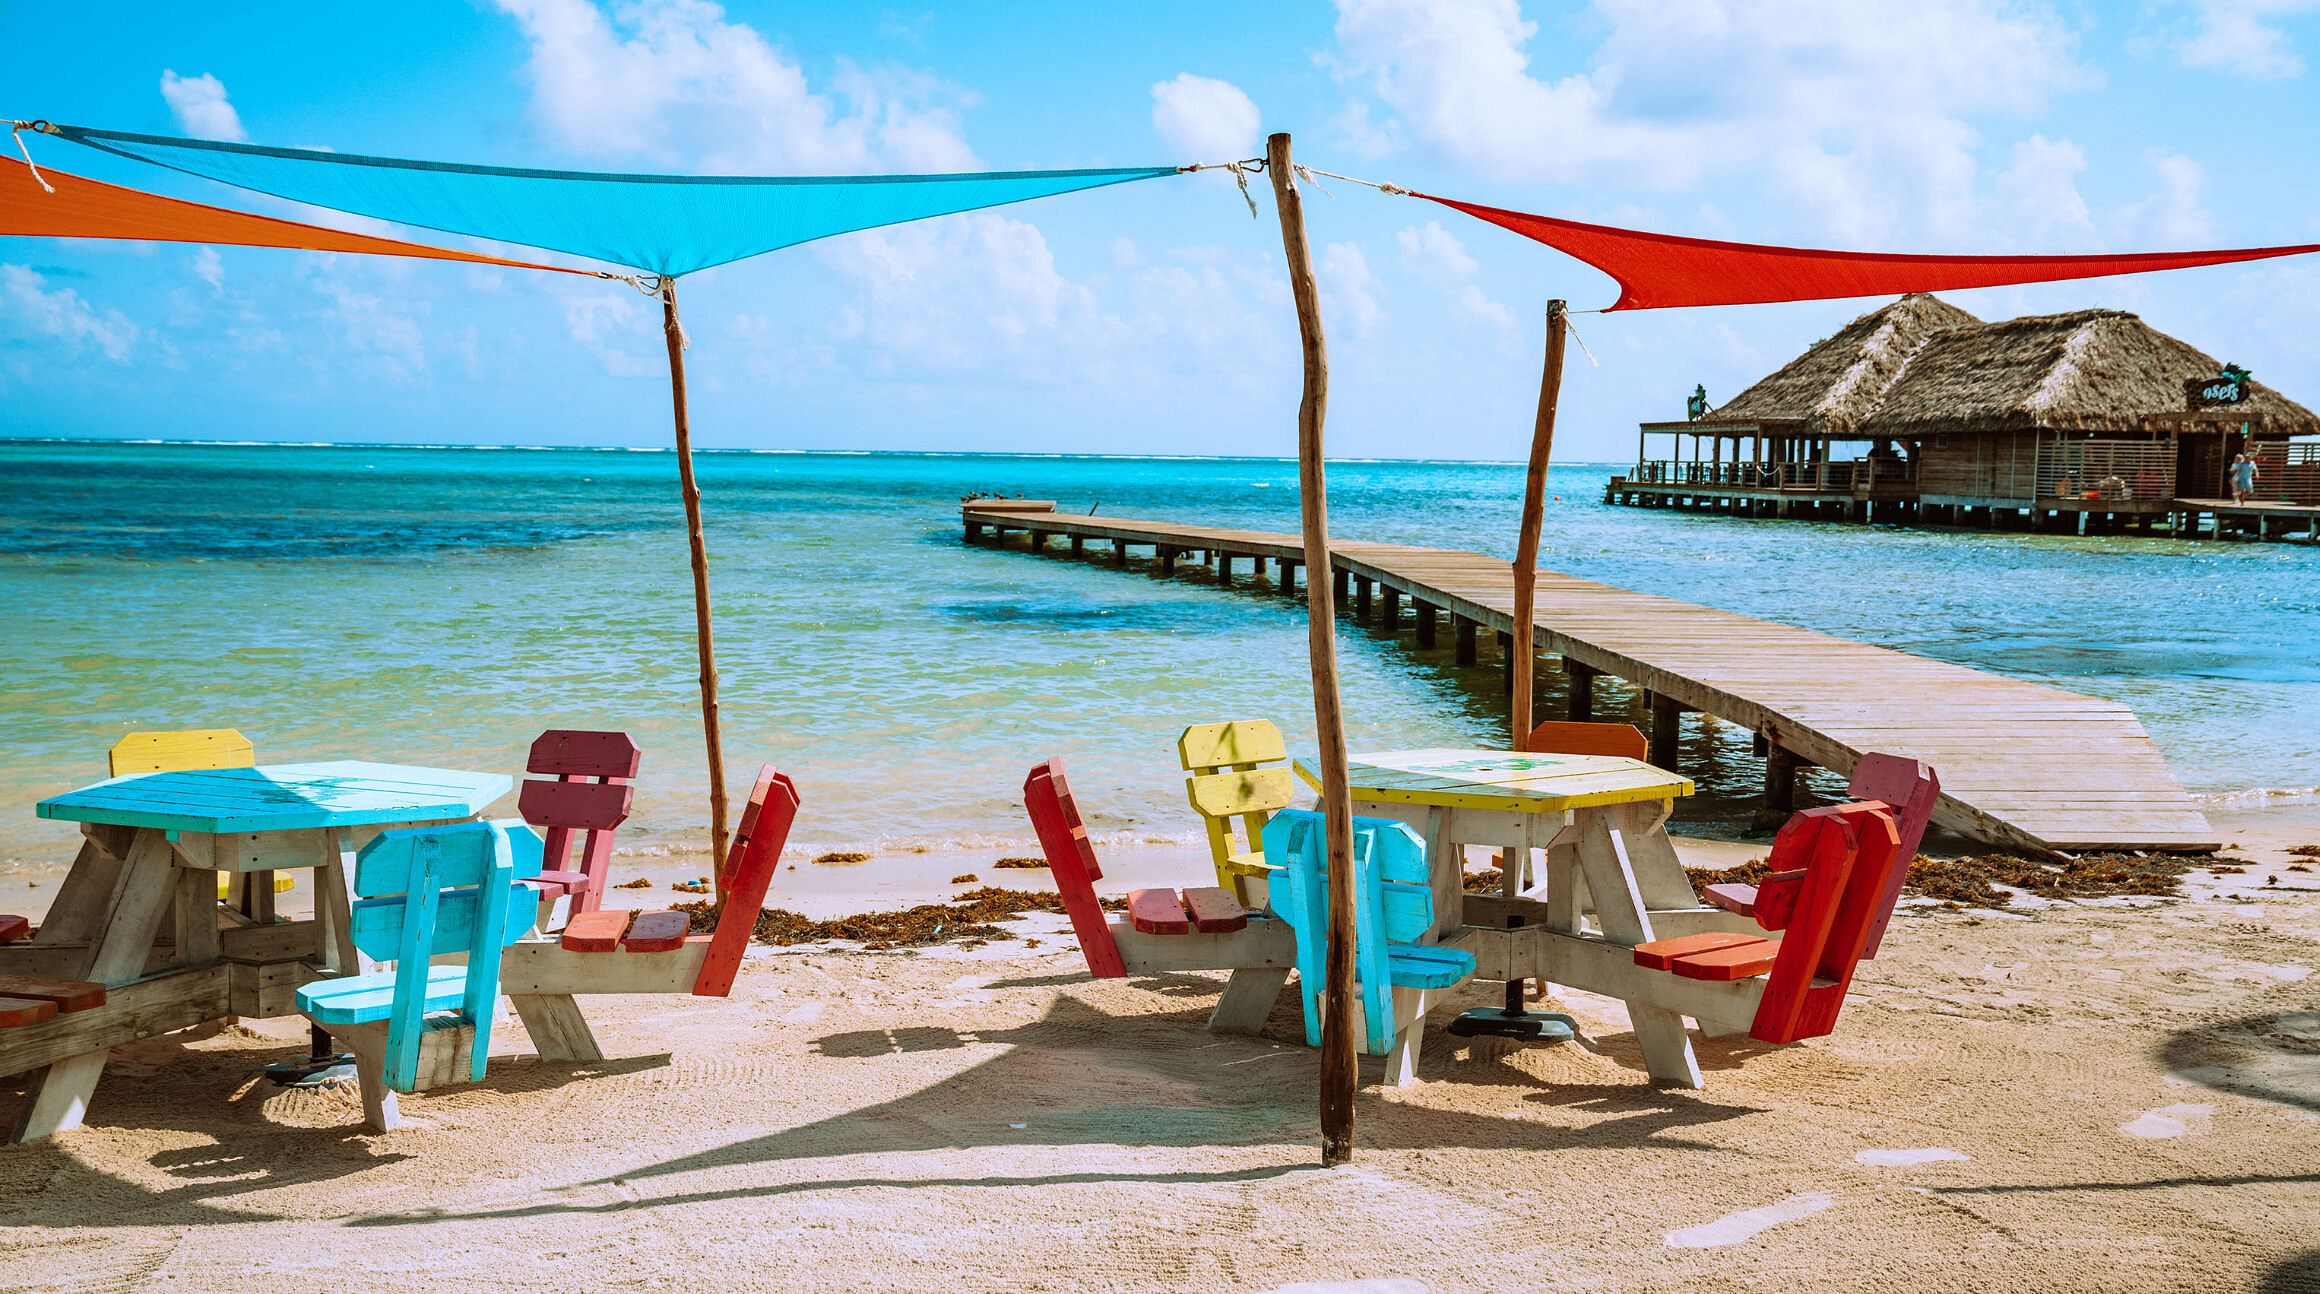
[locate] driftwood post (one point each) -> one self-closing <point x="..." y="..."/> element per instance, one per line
<point x="1522" y="654"/>
<point x="1526" y="555"/>
<point x="701" y="620"/>
<point x="1337" y="1059"/>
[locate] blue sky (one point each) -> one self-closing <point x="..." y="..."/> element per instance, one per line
<point x="1151" y="317"/>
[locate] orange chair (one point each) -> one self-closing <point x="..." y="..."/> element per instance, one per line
<point x="1561" y="738"/>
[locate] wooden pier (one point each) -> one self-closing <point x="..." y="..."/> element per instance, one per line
<point x="2022" y="765"/>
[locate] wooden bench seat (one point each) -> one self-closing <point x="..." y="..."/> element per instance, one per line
<point x="1209" y="909"/>
<point x="69" y="995"/>
<point x="606" y="930"/>
<point x="24" y="1000"/>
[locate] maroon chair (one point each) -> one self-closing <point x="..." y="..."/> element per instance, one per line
<point x="589" y="796"/>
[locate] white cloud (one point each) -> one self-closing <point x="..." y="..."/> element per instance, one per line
<point x="62" y="316"/>
<point x="2175" y="216"/>
<point x="1368" y="140"/>
<point x="1435" y="254"/>
<point x="674" y="82"/>
<point x="602" y="322"/>
<point x="209" y="269"/>
<point x="1433" y="250"/>
<point x="1348" y="287"/>
<point x="385" y="331"/>
<point x="2037" y="197"/>
<point x="2234" y="37"/>
<point x="1861" y="111"/>
<point x="1205" y="120"/>
<point x="200" y="106"/>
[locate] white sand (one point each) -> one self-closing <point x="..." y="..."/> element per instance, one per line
<point x="985" y="1119"/>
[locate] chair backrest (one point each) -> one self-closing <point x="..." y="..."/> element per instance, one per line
<point x="177" y="752"/>
<point x="1908" y="788"/>
<point x="1845" y="853"/>
<point x="1392" y="904"/>
<point x="1071" y="860"/>
<point x="1560" y="737"/>
<point x="1224" y="781"/>
<point x="745" y="875"/>
<point x="589" y="797"/>
<point x="429" y="891"/>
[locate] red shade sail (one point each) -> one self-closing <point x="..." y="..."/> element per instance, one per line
<point x="81" y="208"/>
<point x="1657" y="271"/>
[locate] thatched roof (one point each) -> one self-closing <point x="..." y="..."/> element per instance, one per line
<point x="1919" y="366"/>
<point x="1836" y="384"/>
<point x="2089" y="370"/>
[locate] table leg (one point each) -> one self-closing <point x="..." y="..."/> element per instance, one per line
<point x="558" y="1030"/>
<point x="1619" y="908"/>
<point x="333" y="914"/>
<point x="1248" y="999"/>
<point x="1409" y="1033"/>
<point x="144" y="883"/>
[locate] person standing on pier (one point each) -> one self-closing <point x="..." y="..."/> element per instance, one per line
<point x="2243" y="477"/>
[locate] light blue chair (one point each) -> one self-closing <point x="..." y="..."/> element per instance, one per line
<point x="423" y="892"/>
<point x="1393" y="906"/>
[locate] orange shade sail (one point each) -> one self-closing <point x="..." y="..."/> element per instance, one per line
<point x="84" y="208"/>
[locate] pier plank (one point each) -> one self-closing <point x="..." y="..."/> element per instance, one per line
<point x="2022" y="764"/>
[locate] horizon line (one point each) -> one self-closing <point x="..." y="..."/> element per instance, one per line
<point x="701" y="449"/>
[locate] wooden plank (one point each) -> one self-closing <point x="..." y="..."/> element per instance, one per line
<point x="1158" y="912"/>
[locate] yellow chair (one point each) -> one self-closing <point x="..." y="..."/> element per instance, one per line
<point x="178" y="752"/>
<point x="1224" y="782"/>
<point x="186" y="751"/>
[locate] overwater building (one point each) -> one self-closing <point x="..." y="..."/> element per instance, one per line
<point x="1920" y="413"/>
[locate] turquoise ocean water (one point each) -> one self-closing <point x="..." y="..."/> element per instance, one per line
<point x="445" y="605"/>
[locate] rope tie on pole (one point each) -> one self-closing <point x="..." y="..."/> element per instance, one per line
<point x="16" y="131"/>
<point x="1591" y="363"/>
<point x="1308" y="172"/>
<point x="1241" y="171"/>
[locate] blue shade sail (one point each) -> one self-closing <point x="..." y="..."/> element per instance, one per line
<point x="664" y="224"/>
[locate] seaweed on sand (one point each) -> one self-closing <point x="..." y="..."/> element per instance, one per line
<point x="966" y="920"/>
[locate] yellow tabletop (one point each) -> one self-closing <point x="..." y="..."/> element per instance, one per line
<point x="1502" y="781"/>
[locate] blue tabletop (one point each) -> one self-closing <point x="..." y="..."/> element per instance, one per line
<point x="281" y="797"/>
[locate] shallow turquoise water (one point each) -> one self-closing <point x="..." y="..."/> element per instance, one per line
<point x="443" y="606"/>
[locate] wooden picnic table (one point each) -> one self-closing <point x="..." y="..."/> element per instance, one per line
<point x="1601" y="821"/>
<point x="139" y="911"/>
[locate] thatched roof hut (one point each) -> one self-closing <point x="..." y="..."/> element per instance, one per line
<point x="2088" y="370"/>
<point x="1920" y="367"/>
<point x="1834" y="386"/>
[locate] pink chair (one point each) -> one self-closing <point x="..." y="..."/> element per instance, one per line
<point x="589" y="797"/>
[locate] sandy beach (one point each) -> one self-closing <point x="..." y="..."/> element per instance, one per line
<point x="2119" y="1094"/>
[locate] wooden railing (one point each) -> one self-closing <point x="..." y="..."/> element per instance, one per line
<point x="2106" y="471"/>
<point x="1841" y="476"/>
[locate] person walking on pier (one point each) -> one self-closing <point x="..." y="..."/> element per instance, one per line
<point x="2243" y="477"/>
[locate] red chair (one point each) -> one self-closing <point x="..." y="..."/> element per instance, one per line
<point x="1828" y="898"/>
<point x="1908" y="790"/>
<point x="589" y="797"/>
<point x="1071" y="859"/>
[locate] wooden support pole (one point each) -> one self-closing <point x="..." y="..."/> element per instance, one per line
<point x="1666" y="729"/>
<point x="702" y="635"/>
<point x="1506" y="669"/>
<point x="1224" y="568"/>
<point x="1288" y="577"/>
<point x="1119" y="553"/>
<point x="1338" y="1074"/>
<point x="1340" y="580"/>
<point x="1425" y="624"/>
<point x="1582" y="690"/>
<point x="1526" y="554"/>
<point x="1078" y="547"/>
<point x="1780" y="780"/>
<point x="1390" y="608"/>
<point x="1361" y="603"/>
<point x="1465" y="635"/>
